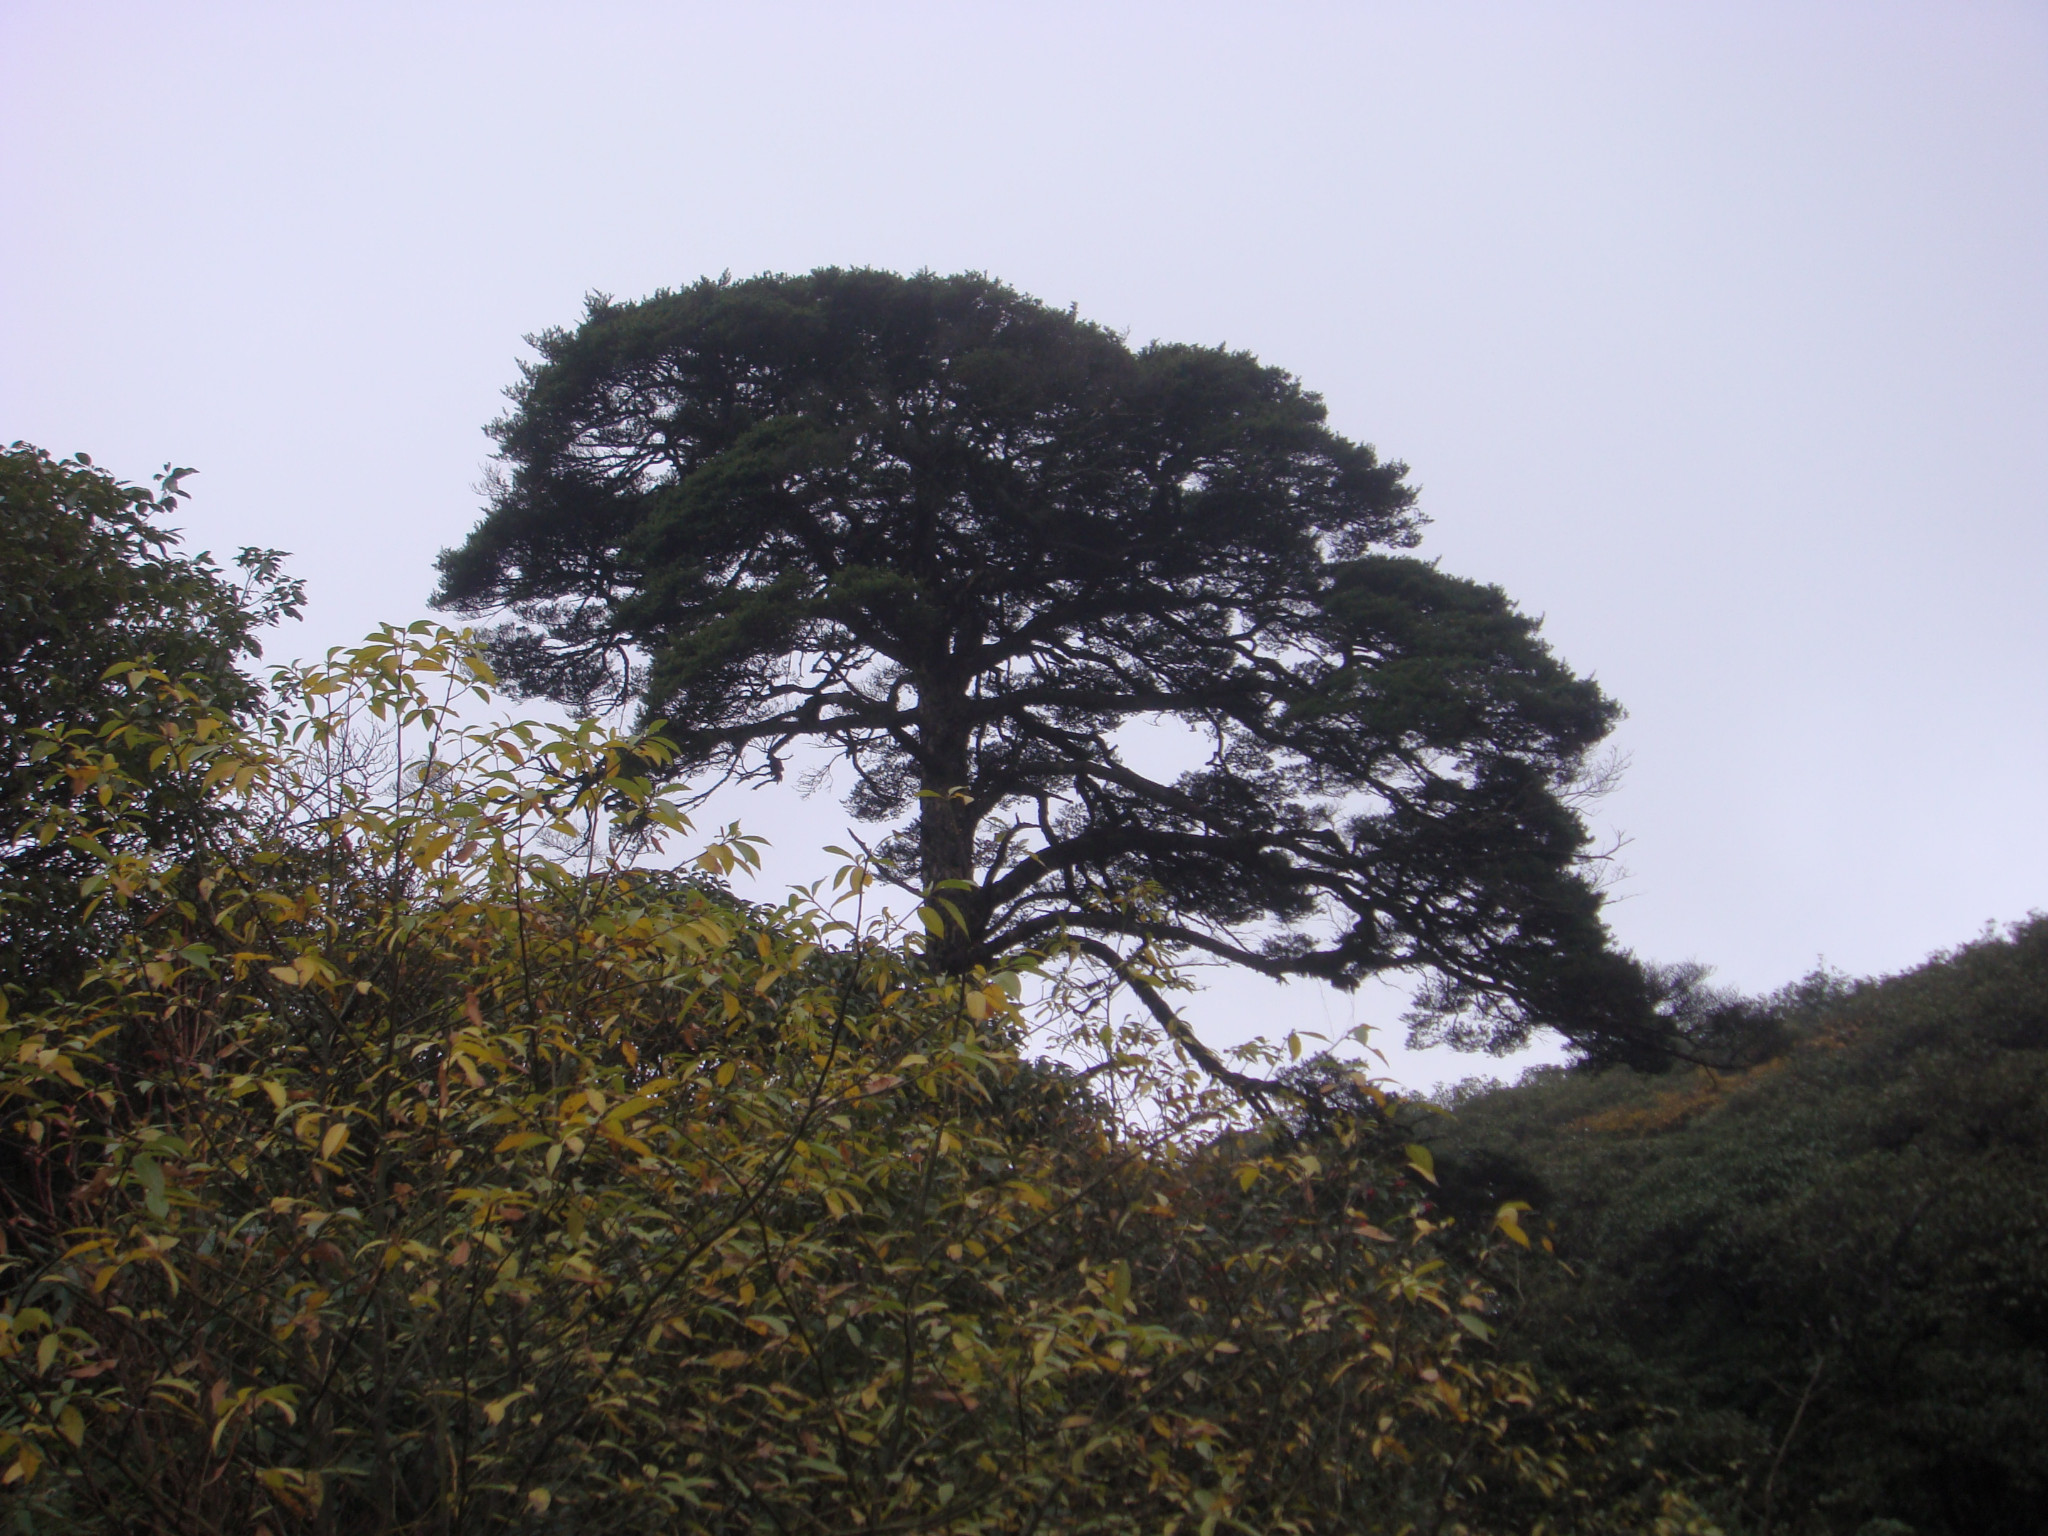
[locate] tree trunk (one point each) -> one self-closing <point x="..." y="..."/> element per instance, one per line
<point x="946" y="823"/>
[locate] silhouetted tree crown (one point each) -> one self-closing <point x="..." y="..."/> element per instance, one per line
<point x="969" y="542"/>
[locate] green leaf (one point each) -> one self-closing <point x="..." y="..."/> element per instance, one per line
<point x="152" y="1177"/>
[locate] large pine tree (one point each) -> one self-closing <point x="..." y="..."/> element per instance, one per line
<point x="968" y="541"/>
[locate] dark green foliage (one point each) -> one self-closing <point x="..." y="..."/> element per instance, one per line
<point x="964" y="540"/>
<point x="89" y="578"/>
<point x="1859" y="1222"/>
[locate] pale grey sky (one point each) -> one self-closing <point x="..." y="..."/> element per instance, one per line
<point x="1716" y="333"/>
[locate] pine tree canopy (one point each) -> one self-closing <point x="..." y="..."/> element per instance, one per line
<point x="982" y="550"/>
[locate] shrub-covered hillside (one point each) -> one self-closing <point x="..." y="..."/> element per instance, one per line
<point x="1831" y="1267"/>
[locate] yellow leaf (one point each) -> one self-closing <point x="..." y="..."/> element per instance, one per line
<point x="727" y="1359"/>
<point x="726" y="1074"/>
<point x="494" y="1413"/>
<point x="539" y="1500"/>
<point x="335" y="1139"/>
<point x="1247" y="1176"/>
<point x="1421" y="1161"/>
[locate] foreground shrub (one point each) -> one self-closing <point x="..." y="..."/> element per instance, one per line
<point x="430" y="1163"/>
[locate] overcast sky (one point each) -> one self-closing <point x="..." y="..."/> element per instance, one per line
<point x="1717" y="334"/>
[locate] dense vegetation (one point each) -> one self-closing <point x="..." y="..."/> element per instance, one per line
<point x="397" y="1135"/>
<point x="422" y="1161"/>
<point x="90" y="576"/>
<point x="1828" y="1266"/>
